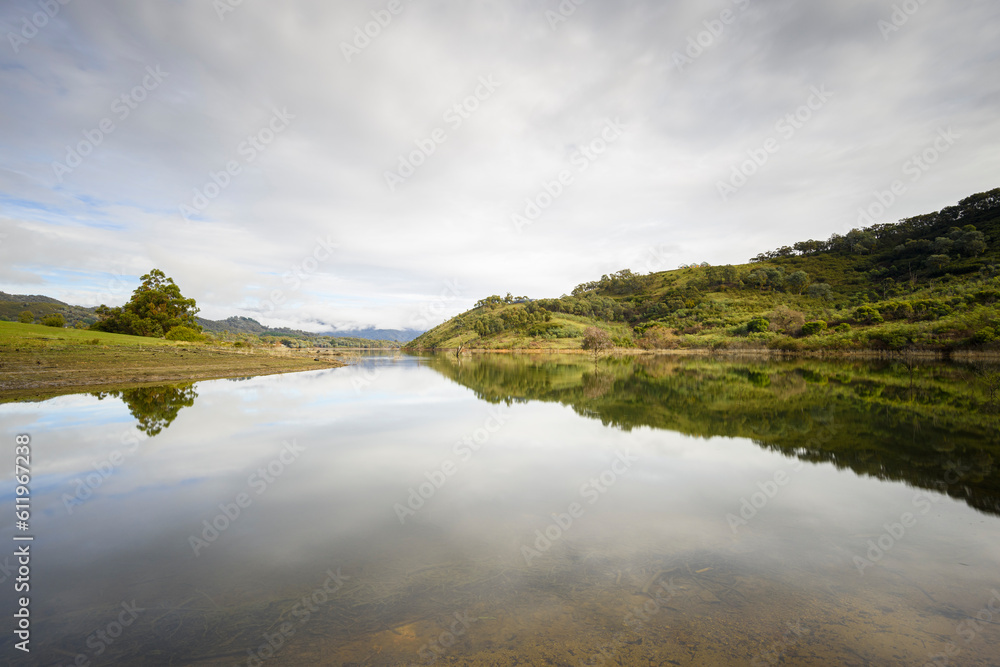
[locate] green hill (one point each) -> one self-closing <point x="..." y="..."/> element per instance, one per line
<point x="928" y="282"/>
<point x="12" y="305"/>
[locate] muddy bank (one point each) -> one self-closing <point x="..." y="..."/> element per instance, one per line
<point x="38" y="373"/>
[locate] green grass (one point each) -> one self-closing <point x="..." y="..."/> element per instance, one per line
<point x="15" y="334"/>
<point x="37" y="362"/>
<point x="453" y="334"/>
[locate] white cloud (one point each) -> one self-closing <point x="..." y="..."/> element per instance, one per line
<point x="652" y="193"/>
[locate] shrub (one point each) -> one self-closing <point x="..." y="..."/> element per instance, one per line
<point x="184" y="333"/>
<point x="758" y="325"/>
<point x="813" y="328"/>
<point x="896" y="311"/>
<point x="891" y="340"/>
<point x="26" y="317"/>
<point x="541" y="328"/>
<point x="561" y="332"/>
<point x="985" y="335"/>
<point x="623" y="341"/>
<point x="658" y="338"/>
<point x="842" y="328"/>
<point x="786" y="344"/>
<point x="785" y="319"/>
<point x="56" y="320"/>
<point x="867" y="315"/>
<point x="984" y="296"/>
<point x="931" y="309"/>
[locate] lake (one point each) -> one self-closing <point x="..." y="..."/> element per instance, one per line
<point x="517" y="510"/>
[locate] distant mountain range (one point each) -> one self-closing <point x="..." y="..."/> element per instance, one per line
<point x="252" y="326"/>
<point x="12" y="305"/>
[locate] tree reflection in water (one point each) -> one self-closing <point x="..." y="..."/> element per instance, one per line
<point x="932" y="425"/>
<point x="154" y="407"/>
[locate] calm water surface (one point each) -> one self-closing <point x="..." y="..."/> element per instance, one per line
<point x="517" y="511"/>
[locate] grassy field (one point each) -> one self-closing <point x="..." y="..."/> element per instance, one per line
<point x="38" y="362"/>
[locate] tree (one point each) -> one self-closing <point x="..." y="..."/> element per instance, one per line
<point x="808" y="247"/>
<point x="489" y="302"/>
<point x="26" y="317"/>
<point x="859" y="241"/>
<point x="820" y="291"/>
<point x="970" y="241"/>
<point x="974" y="247"/>
<point x="596" y="340"/>
<point x="55" y="320"/>
<point x="156" y="307"/>
<point x="798" y="281"/>
<point x="943" y="245"/>
<point x="730" y="274"/>
<point x="937" y="261"/>
<point x="757" y="278"/>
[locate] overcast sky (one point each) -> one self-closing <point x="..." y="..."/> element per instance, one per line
<point x="228" y="143"/>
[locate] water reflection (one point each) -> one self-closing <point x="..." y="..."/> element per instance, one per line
<point x="154" y="407"/>
<point x="933" y="426"/>
<point x="647" y="512"/>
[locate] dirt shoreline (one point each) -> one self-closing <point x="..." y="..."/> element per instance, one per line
<point x="34" y="374"/>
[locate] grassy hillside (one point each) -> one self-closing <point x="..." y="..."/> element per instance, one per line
<point x="35" y="336"/>
<point x="12" y="305"/>
<point x="928" y="282"/>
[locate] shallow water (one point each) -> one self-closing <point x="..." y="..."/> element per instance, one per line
<point x="517" y="511"/>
